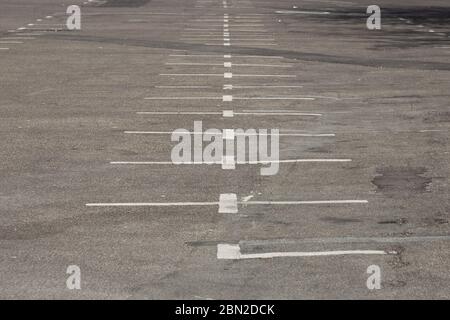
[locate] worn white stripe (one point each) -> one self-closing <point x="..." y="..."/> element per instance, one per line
<point x="244" y="162"/>
<point x="228" y="203"/>
<point x="233" y="252"/>
<point x="150" y="204"/>
<point x="237" y="134"/>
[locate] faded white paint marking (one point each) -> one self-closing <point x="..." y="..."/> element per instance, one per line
<point x="233" y="252"/>
<point x="228" y="162"/>
<point x="227" y="114"/>
<point x="182" y="98"/>
<point x="228" y="203"/>
<point x="178" y="112"/>
<point x="236" y="134"/>
<point x="151" y="204"/>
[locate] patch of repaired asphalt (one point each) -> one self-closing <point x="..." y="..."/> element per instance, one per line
<point x="399" y="180"/>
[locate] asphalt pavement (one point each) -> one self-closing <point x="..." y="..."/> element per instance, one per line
<point x="88" y="179"/>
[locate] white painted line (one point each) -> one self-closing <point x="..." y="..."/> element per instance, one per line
<point x="177" y="112"/>
<point x="151" y="204"/>
<point x="25" y="34"/>
<point x="227" y="75"/>
<point x="192" y="64"/>
<point x="227" y="114"/>
<point x="258" y="113"/>
<point x="233" y="252"/>
<point x="182" y="87"/>
<point x="307" y="202"/>
<point x="228" y="64"/>
<point x="266" y="75"/>
<point x="191" y="74"/>
<point x="274" y="98"/>
<point x="227" y="98"/>
<point x="182" y="98"/>
<point x="303" y="12"/>
<point x="195" y="55"/>
<point x="264" y="86"/>
<point x="236" y="134"/>
<point x="229" y="160"/>
<point x="18" y="38"/>
<point x="227" y="56"/>
<point x="228" y="203"/>
<point x="4" y="48"/>
<point x="11" y="42"/>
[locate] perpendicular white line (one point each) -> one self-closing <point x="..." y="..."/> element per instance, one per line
<point x="192" y="74"/>
<point x="266" y="75"/>
<point x="233" y="252"/>
<point x="182" y="98"/>
<point x="151" y="204"/>
<point x="244" y="162"/>
<point x="234" y="113"/>
<point x="228" y="203"/>
<point x="177" y="112"/>
<point x="17" y="38"/>
<point x="220" y="75"/>
<point x="218" y="39"/>
<point x="182" y="87"/>
<point x="237" y="134"/>
<point x="227" y="98"/>
<point x="274" y="98"/>
<point x="305" y="202"/>
<point x="220" y="56"/>
<point x="234" y="64"/>
<point x="263" y="86"/>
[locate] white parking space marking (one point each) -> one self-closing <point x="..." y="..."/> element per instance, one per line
<point x="182" y="98"/>
<point x="182" y="87"/>
<point x="179" y="112"/>
<point x="228" y="203"/>
<point x="262" y="86"/>
<point x="233" y="252"/>
<point x="151" y="204"/>
<point x="237" y="134"/>
<point x="229" y="159"/>
<point x="230" y="98"/>
<point x="255" y="113"/>
<point x="18" y="38"/>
